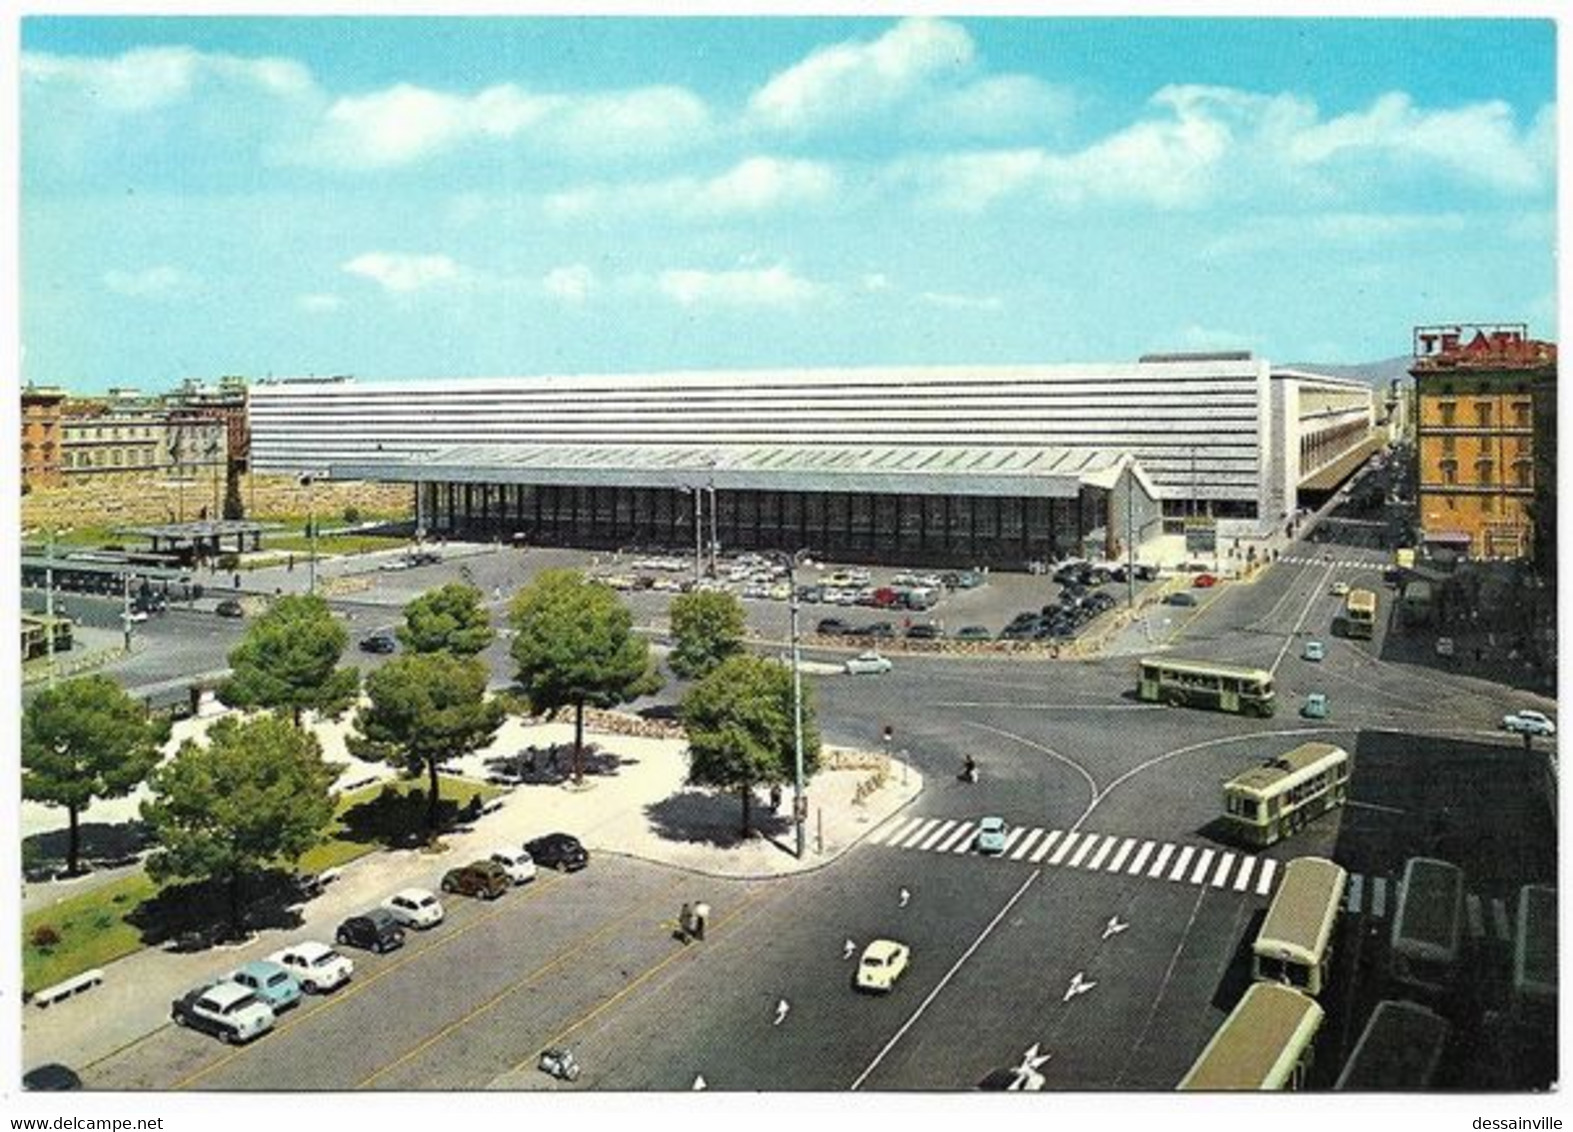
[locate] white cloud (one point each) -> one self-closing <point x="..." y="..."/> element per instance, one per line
<point x="150" y="78"/>
<point x="997" y="106"/>
<point x="754" y="185"/>
<point x="319" y="302"/>
<point x="776" y="286"/>
<point x="853" y="79"/>
<point x="1358" y="230"/>
<point x="572" y="284"/>
<point x="1196" y="337"/>
<point x="403" y="273"/>
<point x="953" y="301"/>
<point x="876" y="281"/>
<point x="158" y="282"/>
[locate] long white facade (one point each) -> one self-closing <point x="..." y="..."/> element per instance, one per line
<point x="1207" y="430"/>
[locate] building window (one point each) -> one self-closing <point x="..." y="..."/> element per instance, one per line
<point x="1450" y="472"/>
<point x="1449" y="445"/>
<point x="1483" y="413"/>
<point x="1448" y="411"/>
<point x="1486" y="471"/>
<point x="1521" y="418"/>
<point x="1521" y="474"/>
<point x="1488" y="504"/>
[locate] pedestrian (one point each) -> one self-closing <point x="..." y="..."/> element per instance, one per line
<point x="237" y="581"/>
<point x="289" y="562"/>
<point x="775" y="798"/>
<point x="685" y="921"/>
<point x="701" y="917"/>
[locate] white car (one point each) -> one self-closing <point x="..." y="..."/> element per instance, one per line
<point x="518" y="864"/>
<point x="415" y="908"/>
<point x="317" y="967"/>
<point x="1527" y="722"/>
<point x="884" y="961"/>
<point x="1340" y="589"/>
<point x="868" y="664"/>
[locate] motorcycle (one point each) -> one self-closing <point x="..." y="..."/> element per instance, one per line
<point x="969" y="773"/>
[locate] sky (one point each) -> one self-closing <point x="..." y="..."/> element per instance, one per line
<point x="403" y="198"/>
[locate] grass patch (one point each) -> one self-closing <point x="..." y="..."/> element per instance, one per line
<point x="297" y="543"/>
<point x="92" y="931"/>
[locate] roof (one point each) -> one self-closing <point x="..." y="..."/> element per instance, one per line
<point x="204" y="528"/>
<point x="1398" y="1050"/>
<point x="1235" y="670"/>
<point x="1259" y="1043"/>
<point x="1274" y="771"/>
<point x="1335" y="473"/>
<point x="1535" y="959"/>
<point x="1426" y="921"/>
<point x="983" y="470"/>
<point x="1303" y="911"/>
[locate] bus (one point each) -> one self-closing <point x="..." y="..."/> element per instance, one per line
<point x="1197" y="683"/>
<point x="1398" y="1051"/>
<point x="1428" y="925"/>
<point x="1295" y="944"/>
<point x="1415" y="604"/>
<point x="1265" y="1043"/>
<point x="1360" y="614"/>
<point x="1273" y="800"/>
<point x="1535" y="954"/>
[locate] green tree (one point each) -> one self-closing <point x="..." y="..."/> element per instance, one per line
<point x="575" y="646"/>
<point x="257" y="794"/>
<point x="234" y="506"/>
<point x="739" y="720"/>
<point x="424" y="709"/>
<point x="706" y="629"/>
<point x="450" y="619"/>
<point x="86" y="739"/>
<point x="286" y="662"/>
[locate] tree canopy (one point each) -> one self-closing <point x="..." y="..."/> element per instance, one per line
<point x="257" y="794"/>
<point x="739" y="720"/>
<point x="86" y="739"/>
<point x="423" y="709"/>
<point x="575" y="646"/>
<point x="287" y="661"/>
<point x="706" y="629"/>
<point x="450" y="619"/>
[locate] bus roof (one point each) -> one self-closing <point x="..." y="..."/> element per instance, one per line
<point x="1260" y="1042"/>
<point x="1398" y="1050"/>
<point x="1302" y="762"/>
<point x="1239" y="672"/>
<point x="1301" y="916"/>
<point x="1426" y="921"/>
<point x="1535" y="953"/>
<point x="1360" y="600"/>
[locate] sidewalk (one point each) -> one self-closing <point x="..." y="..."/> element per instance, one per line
<point x="639" y="808"/>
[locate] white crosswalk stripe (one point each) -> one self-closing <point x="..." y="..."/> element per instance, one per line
<point x="1265" y="880"/>
<point x="1186" y="853"/>
<point x="957" y="836"/>
<point x="1243" y="877"/>
<point x="1103" y="851"/>
<point x="1088" y="841"/>
<point x="937" y="834"/>
<point x="1499" y="919"/>
<point x="964" y="843"/>
<point x="1141" y="858"/>
<point x="1222" y="875"/>
<point x="1011" y="837"/>
<point x="1042" y="851"/>
<point x="1353" y="893"/>
<point x="1379" y="897"/>
<point x="1164" y="852"/>
<point x="895" y="832"/>
<point x="1125" y="851"/>
<point x="1064" y="849"/>
<point x="1026" y="844"/>
<point x="1201" y="866"/>
<point x="919" y="834"/>
<point x="1477" y="923"/>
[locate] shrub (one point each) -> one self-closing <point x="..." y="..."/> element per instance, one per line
<point x="352" y="514"/>
<point x="45" y="937"/>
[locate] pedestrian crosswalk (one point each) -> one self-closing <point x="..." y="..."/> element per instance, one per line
<point x="1090" y="852"/>
<point x="1344" y="563"/>
<point x="1376" y="898"/>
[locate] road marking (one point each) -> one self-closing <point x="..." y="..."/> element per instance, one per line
<point x="1376" y="805"/>
<point x="959" y="834"/>
<point x="1125" y="851"/>
<point x="1477" y="923"/>
<point x="1222" y="873"/>
<point x="1141" y="858"/>
<point x="1163" y="987"/>
<point x="1353" y="892"/>
<point x="1087" y="842"/>
<point x="1065" y="847"/>
<point x="1202" y="862"/>
<point x="950" y="974"/>
<point x="1316" y="592"/>
<point x="1186" y="853"/>
<point x="1379" y="897"/>
<point x="1102" y="853"/>
<point x="1026" y="844"/>
<point x="1164" y="851"/>
<point x="1010" y="838"/>
<point x="920" y="834"/>
<point x="1048" y="843"/>
<point x="895" y="831"/>
<point x="965" y="843"/>
<point x="1265" y="881"/>
<point x="1243" y="879"/>
<point x="937" y="834"/>
<point x="1499" y="919"/>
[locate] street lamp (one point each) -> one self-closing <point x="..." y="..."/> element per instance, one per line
<point x="308" y="481"/>
<point x="799" y="799"/>
<point x="715" y="544"/>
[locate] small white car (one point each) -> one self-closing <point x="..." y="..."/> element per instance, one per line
<point x="868" y="664"/>
<point x="518" y="864"/>
<point x="1444" y="646"/>
<point x="1314" y="650"/>
<point x="884" y="961"/>
<point x="1527" y="722"/>
<point x="317" y="966"/>
<point x="1340" y="589"/>
<point x="415" y="908"/>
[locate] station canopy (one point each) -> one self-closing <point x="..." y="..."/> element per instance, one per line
<point x="831" y="468"/>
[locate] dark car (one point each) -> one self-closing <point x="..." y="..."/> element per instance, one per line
<point x="373" y="930"/>
<point x="485" y="879"/>
<point x="380" y="642"/>
<point x="884" y="630"/>
<point x="51" y="1078"/>
<point x="424" y="558"/>
<point x="833" y="627"/>
<point x="229" y="607"/>
<point x="1181" y="598"/>
<point x="661" y="713"/>
<point x="973" y="633"/>
<point x="923" y="632"/>
<point x="558" y="851"/>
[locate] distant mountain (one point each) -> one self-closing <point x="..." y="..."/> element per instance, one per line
<point x="1376" y="374"/>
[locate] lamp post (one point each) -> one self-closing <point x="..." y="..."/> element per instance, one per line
<point x="1130" y="539"/>
<point x="308" y="481"/>
<point x="715" y="543"/>
<point x="49" y="607"/>
<point x="799" y="799"/>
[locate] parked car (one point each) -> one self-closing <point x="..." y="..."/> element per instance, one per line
<point x="558" y="851"/>
<point x="51" y="1077"/>
<point x="880" y="630"/>
<point x="884" y="961"/>
<point x="226" y="1010"/>
<point x="1528" y="722"/>
<point x="318" y="968"/>
<point x="382" y="641"/>
<point x="1180" y="598"/>
<point x="415" y="908"/>
<point x="924" y="631"/>
<point x="832" y="627"/>
<point x="1204" y="581"/>
<point x="973" y="633"/>
<point x="373" y="930"/>
<point x="229" y="607"/>
<point x="1339" y="589"/>
<point x="272" y="982"/>
<point x="518" y="864"/>
<point x="1314" y="650"/>
<point x="485" y="879"/>
<point x="868" y="664"/>
<point x="991" y="836"/>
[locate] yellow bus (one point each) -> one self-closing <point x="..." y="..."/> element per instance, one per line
<point x="1295" y="944"/>
<point x="1428" y="925"/>
<point x="1265" y="1043"/>
<point x="1360" y="614"/>
<point x="1398" y="1051"/>
<point x="1535" y="953"/>
<point x="1198" y="683"/>
<point x="1273" y="800"/>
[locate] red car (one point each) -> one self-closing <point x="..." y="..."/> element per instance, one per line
<point x="1203" y="581"/>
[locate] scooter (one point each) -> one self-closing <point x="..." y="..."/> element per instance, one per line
<point x="969" y="773"/>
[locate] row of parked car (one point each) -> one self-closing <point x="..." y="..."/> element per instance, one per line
<point x="246" y="1003"/>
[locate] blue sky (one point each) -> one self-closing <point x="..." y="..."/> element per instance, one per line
<point x="421" y="197"/>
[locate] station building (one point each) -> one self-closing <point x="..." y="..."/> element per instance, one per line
<point x="957" y="464"/>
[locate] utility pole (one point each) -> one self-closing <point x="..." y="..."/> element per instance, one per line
<point x="125" y="612"/>
<point x="715" y="544"/>
<point x="699" y="533"/>
<point x="309" y="481"/>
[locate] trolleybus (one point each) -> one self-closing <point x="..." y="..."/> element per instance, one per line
<point x="1360" y="614"/>
<point x="1265" y="1043"/>
<point x="1271" y="801"/>
<point x="1428" y="925"/>
<point x="1198" y="683"/>
<point x="1398" y="1051"/>
<point x="1295" y="944"/>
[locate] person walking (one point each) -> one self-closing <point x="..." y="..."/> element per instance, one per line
<point x="685" y="922"/>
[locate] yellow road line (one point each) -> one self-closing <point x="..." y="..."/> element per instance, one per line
<point x="358" y="985"/>
<point x="567" y="953"/>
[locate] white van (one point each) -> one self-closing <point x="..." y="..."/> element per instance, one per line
<point x="518" y="864"/>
